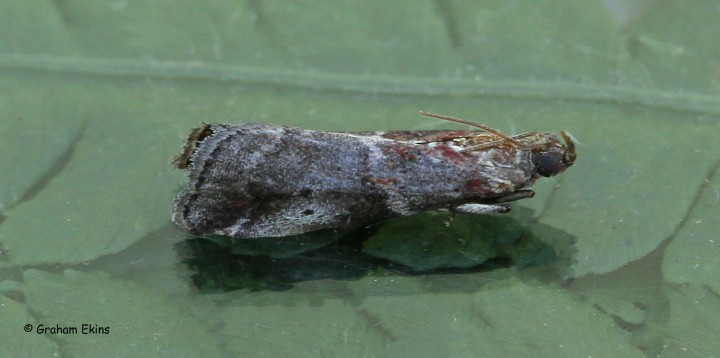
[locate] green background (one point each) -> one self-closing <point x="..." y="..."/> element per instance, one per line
<point x="97" y="96"/>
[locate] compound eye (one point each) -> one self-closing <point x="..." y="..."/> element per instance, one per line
<point x="548" y="164"/>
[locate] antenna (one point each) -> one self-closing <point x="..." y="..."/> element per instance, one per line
<point x="476" y="125"/>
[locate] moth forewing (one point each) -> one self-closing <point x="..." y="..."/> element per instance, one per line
<point x="251" y="180"/>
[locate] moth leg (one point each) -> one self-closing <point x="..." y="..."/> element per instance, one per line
<point x="517" y="195"/>
<point x="479" y="209"/>
<point x="475" y="209"/>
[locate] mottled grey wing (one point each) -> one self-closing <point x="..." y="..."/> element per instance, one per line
<point x="257" y="180"/>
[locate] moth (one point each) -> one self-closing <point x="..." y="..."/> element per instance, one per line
<point x="253" y="180"/>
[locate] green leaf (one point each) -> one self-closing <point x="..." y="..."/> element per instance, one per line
<point x="429" y="241"/>
<point x="262" y="327"/>
<point x="138" y="319"/>
<point x="106" y="107"/>
<point x="95" y="97"/>
<point x="634" y="190"/>
<point x="437" y="316"/>
<point x="692" y="255"/>
<point x="694" y="314"/>
<point x="508" y="318"/>
<point x="15" y="317"/>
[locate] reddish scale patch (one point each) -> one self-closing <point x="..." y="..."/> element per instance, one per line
<point x="477" y="186"/>
<point x="405" y="153"/>
<point x="449" y="153"/>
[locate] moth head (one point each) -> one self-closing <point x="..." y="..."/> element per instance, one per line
<point x="554" y="157"/>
